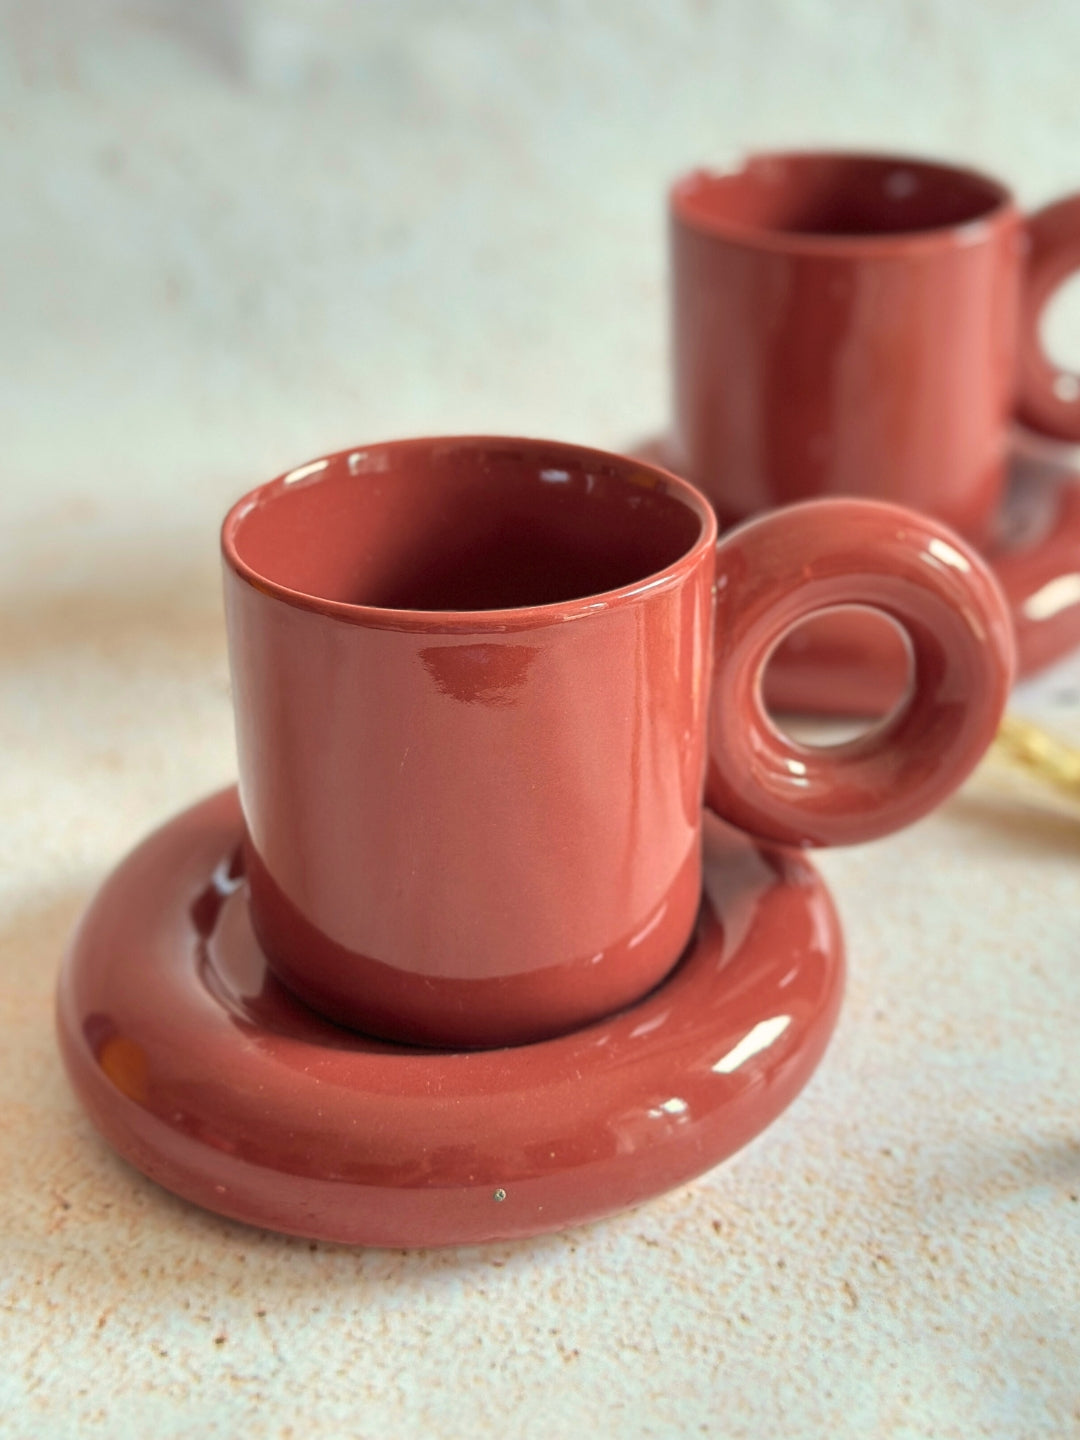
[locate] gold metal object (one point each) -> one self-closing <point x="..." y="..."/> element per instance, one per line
<point x="1028" y="750"/>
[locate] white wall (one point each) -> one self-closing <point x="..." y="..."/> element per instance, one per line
<point x="237" y="234"/>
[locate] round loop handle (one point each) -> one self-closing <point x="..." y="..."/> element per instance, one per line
<point x="1048" y="397"/>
<point x="781" y="568"/>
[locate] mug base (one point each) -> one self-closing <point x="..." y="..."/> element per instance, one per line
<point x="204" y="1072"/>
<point x="850" y="664"/>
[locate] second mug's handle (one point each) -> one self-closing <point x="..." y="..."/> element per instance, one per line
<point x="1048" y="397"/>
<point x="783" y="567"/>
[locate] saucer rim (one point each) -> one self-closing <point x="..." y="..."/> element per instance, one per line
<point x="456" y="1204"/>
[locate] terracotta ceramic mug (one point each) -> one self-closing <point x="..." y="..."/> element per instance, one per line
<point x="472" y="688"/>
<point x="863" y="325"/>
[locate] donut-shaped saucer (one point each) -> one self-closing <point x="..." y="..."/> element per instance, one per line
<point x="204" y="1072"/>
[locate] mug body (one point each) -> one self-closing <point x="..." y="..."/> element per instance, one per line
<point x="845" y="325"/>
<point x="470" y="678"/>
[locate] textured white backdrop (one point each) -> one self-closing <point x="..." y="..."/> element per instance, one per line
<point x="235" y="234"/>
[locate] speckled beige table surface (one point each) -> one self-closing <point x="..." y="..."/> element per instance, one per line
<point x="236" y="235"/>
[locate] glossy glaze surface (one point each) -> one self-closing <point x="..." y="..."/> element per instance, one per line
<point x="205" y="1073"/>
<point x="481" y="826"/>
<point x="1049" y="396"/>
<point x="845" y="552"/>
<point x="471" y="825"/>
<point x="849" y="324"/>
<point x="849" y="664"/>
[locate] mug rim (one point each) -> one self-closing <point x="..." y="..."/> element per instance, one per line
<point x="760" y="237"/>
<point x="525" y="617"/>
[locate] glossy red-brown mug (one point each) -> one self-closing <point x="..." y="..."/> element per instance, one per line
<point x="862" y="325"/>
<point x="480" y="693"/>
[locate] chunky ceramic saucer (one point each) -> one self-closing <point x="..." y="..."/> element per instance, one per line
<point x="204" y="1072"/>
<point x="850" y="663"/>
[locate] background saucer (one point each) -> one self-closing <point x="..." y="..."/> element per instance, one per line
<point x="855" y="663"/>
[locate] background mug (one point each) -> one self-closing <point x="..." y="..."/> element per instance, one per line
<point x="479" y="686"/>
<point x="864" y="325"/>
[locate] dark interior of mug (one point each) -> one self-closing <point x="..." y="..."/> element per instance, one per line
<point x="463" y="524"/>
<point x="837" y="195"/>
